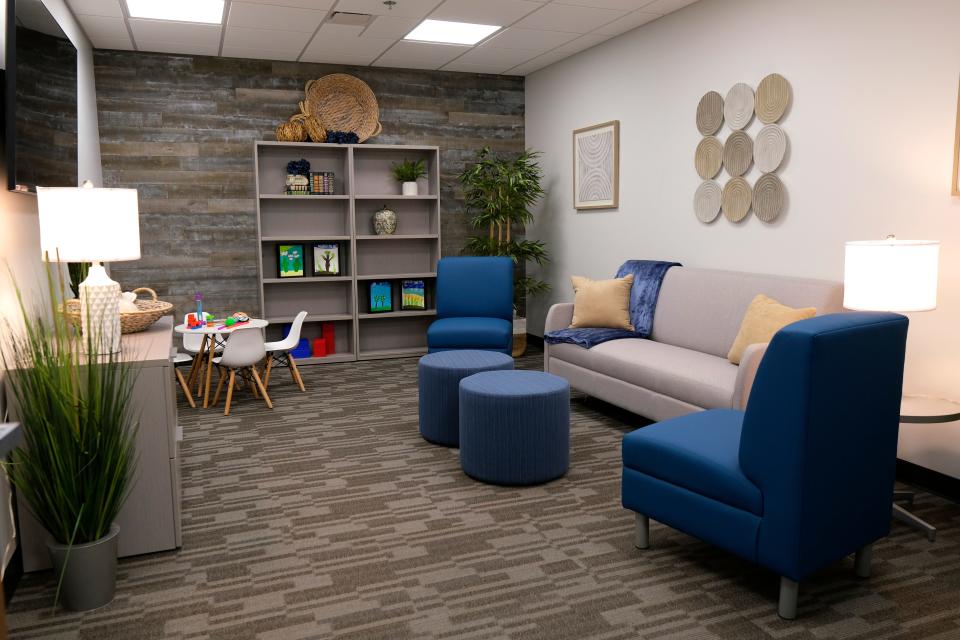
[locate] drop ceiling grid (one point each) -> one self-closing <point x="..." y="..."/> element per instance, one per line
<point x="534" y="34"/>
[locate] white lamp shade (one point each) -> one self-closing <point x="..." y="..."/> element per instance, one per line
<point x="85" y="224"/>
<point x="891" y="275"/>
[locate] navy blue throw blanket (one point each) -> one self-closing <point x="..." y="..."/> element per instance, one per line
<point x="647" y="278"/>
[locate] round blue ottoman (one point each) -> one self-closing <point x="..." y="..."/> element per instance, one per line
<point x="514" y="427"/>
<point x="439" y="376"/>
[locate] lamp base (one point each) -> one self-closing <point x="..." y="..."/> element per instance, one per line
<point x="100" y="311"/>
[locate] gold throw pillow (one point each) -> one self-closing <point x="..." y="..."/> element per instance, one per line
<point x="602" y="303"/>
<point x="764" y="317"/>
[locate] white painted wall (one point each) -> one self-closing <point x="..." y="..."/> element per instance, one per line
<point x="19" y="229"/>
<point x="871" y="132"/>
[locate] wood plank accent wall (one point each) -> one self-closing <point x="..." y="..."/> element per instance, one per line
<point x="180" y="129"/>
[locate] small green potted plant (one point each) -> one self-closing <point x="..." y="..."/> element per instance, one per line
<point x="407" y="173"/>
<point x="76" y="465"/>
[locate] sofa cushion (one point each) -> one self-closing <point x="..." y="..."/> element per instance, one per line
<point x="473" y="333"/>
<point x="697" y="378"/>
<point x="602" y="304"/>
<point x="764" y="317"/>
<point x="699" y="452"/>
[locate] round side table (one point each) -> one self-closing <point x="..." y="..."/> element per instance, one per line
<point x="922" y="410"/>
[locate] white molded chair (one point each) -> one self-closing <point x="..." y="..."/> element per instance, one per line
<point x="279" y="352"/>
<point x="177" y="359"/>
<point x="243" y="351"/>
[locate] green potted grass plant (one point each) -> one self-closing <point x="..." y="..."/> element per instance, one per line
<point x="499" y="193"/>
<point x="75" y="468"/>
<point x="407" y="173"/>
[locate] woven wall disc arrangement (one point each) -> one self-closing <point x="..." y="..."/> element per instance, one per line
<point x="773" y="98"/>
<point x="707" y="201"/>
<point x="770" y="148"/>
<point x="710" y="113"/>
<point x="737" y="153"/>
<point x="737" y="198"/>
<point x="769" y="197"/>
<point x="342" y="102"/>
<point x="708" y="157"/>
<point x="738" y="107"/>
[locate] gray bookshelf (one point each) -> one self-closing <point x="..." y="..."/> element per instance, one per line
<point x="363" y="183"/>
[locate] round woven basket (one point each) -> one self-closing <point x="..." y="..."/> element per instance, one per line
<point x="342" y="102"/>
<point x="132" y="322"/>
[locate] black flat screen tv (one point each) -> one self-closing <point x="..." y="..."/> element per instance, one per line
<point x="41" y="99"/>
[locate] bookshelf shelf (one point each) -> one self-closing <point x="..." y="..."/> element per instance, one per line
<point x="362" y="184"/>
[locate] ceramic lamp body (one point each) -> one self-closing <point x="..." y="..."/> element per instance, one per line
<point x="100" y="311"/>
<point x="410" y="189"/>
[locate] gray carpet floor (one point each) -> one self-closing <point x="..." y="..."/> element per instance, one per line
<point x="329" y="517"/>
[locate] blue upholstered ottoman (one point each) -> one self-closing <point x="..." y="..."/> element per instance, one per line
<point x="514" y="427"/>
<point x="439" y="378"/>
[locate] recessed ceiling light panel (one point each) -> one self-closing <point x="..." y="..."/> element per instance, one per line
<point x="205" y="11"/>
<point x="447" y="32"/>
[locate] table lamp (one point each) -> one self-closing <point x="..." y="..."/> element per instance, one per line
<point x="87" y="224"/>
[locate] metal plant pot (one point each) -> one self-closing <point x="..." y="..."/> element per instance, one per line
<point x="91" y="571"/>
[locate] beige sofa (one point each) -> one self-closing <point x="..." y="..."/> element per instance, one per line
<point x="683" y="367"/>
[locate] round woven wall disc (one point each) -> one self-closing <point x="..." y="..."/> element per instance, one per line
<point x="773" y="97"/>
<point x="770" y="148"/>
<point x="769" y="197"/>
<point x="708" y="158"/>
<point x="737" y="153"/>
<point x="706" y="201"/>
<point x="736" y="199"/>
<point x="710" y="113"/>
<point x="738" y="107"/>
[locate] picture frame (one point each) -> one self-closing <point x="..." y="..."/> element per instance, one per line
<point x="413" y="295"/>
<point x="290" y="261"/>
<point x="955" y="188"/>
<point x="596" y="166"/>
<point x="326" y="259"/>
<point x="381" y="296"/>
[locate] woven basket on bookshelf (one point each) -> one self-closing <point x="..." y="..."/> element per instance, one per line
<point x="342" y="102"/>
<point x="132" y="322"/>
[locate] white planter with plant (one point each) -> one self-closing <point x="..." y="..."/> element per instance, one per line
<point x="75" y="468"/>
<point x="407" y="173"/>
<point x="499" y="193"/>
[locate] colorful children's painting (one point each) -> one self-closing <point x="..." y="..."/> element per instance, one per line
<point x="381" y="296"/>
<point x="413" y="295"/>
<point x="326" y="259"/>
<point x="290" y="260"/>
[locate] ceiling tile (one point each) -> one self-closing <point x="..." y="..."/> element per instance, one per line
<point x="339" y="44"/>
<point x="166" y="32"/>
<point x="627" y="22"/>
<point x="621" y="5"/>
<point x="322" y="5"/>
<point x="96" y="7"/>
<point x="182" y="48"/>
<point x="498" y="12"/>
<point x="496" y="56"/>
<point x="562" y="17"/>
<point x="530" y="39"/>
<point x="123" y="44"/>
<point x="289" y="42"/>
<point x="390" y="27"/>
<point x="465" y="67"/>
<point x="103" y="27"/>
<point x="334" y="33"/>
<point x="537" y="63"/>
<point x="255" y="16"/>
<point x="403" y="8"/>
<point x="419" y="55"/>
<point x="583" y="42"/>
<point x="257" y="53"/>
<point x="666" y="6"/>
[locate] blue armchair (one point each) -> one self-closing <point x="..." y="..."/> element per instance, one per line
<point x="804" y="476"/>
<point x="474" y="305"/>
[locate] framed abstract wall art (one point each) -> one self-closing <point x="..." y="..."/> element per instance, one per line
<point x="326" y="259"/>
<point x="290" y="260"/>
<point x="596" y="166"/>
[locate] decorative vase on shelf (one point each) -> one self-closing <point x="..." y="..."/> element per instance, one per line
<point x="410" y="189"/>
<point x="385" y="221"/>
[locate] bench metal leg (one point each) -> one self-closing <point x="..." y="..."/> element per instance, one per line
<point x="904" y="516"/>
<point x="861" y="561"/>
<point x="641" y="539"/>
<point x="789" y="593"/>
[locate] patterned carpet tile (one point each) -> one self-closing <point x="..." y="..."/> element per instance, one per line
<point x="329" y="517"/>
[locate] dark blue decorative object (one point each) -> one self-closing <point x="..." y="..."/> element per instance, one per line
<point x="302" y="349"/>
<point x="299" y="167"/>
<point x="647" y="278"/>
<point x="804" y="476"/>
<point x="439" y="376"/>
<point x="343" y="137"/>
<point x="514" y="427"/>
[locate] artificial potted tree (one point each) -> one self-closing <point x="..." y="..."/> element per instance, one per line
<point x="407" y="173"/>
<point x="75" y="467"/>
<point x="499" y="192"/>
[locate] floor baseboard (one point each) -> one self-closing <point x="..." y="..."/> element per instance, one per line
<point x="929" y="480"/>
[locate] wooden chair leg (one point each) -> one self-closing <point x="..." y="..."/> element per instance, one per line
<point x="263" y="390"/>
<point x="253" y="387"/>
<point x="266" y="372"/>
<point x="216" y="396"/>
<point x="295" y="373"/>
<point x="226" y="409"/>
<point x="185" y="387"/>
